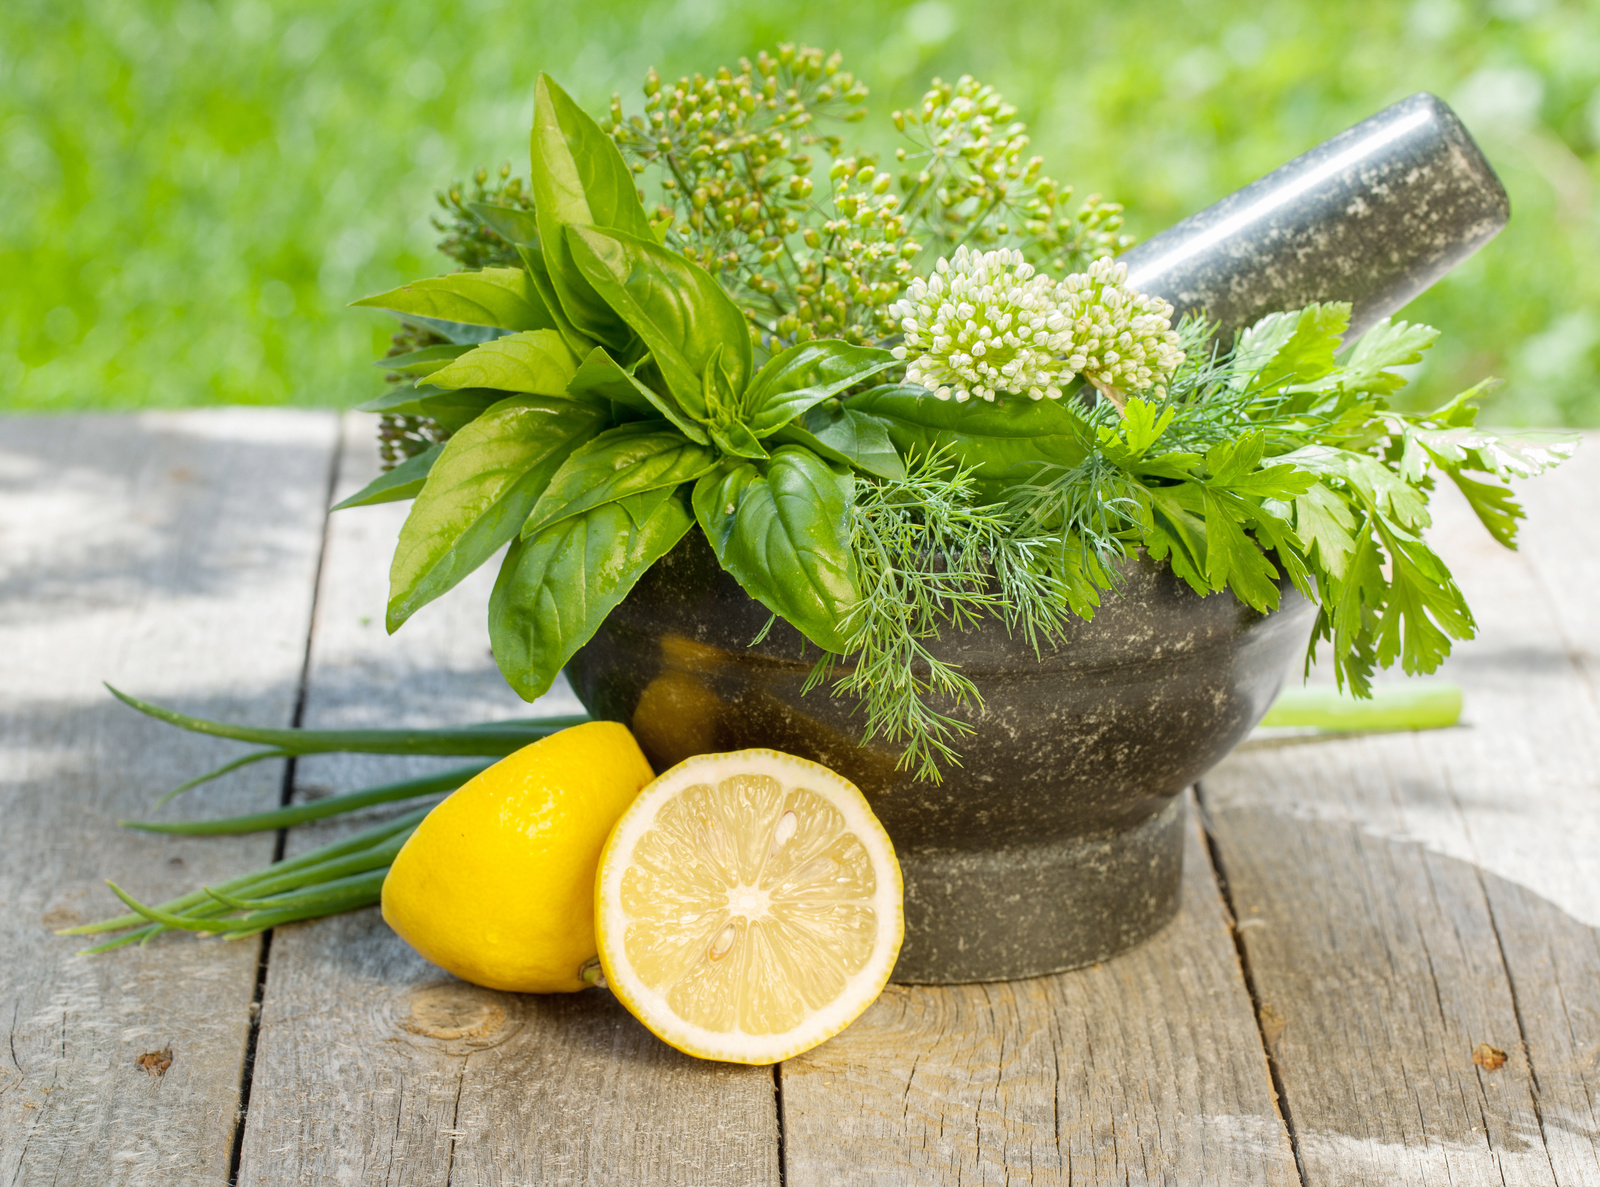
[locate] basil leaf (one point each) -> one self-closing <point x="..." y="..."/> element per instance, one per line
<point x="783" y="530"/>
<point x="673" y="304"/>
<point x="844" y="435"/>
<point x="579" y="176"/>
<point x="457" y="332"/>
<point x="402" y="482"/>
<point x="801" y="376"/>
<point x="556" y="588"/>
<point x="719" y="391"/>
<point x="499" y="297"/>
<point x="481" y="488"/>
<point x="641" y="456"/>
<point x="539" y="274"/>
<point x="1003" y="444"/>
<point x="419" y="363"/>
<point x="453" y="410"/>
<point x="601" y="376"/>
<point x="734" y="438"/>
<point x="536" y="362"/>
<point x="516" y="226"/>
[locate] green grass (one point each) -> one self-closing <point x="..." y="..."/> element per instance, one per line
<point x="190" y="193"/>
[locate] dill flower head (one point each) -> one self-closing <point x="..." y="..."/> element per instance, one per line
<point x="985" y="323"/>
<point x="1121" y="339"/>
<point x="980" y="325"/>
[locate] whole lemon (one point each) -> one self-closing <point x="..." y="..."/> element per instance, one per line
<point x="497" y="883"/>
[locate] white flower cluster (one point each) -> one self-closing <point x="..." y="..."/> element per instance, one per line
<point x="985" y="323"/>
<point x="1122" y="339"/>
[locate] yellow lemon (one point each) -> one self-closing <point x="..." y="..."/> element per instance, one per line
<point x="497" y="883"/>
<point x="748" y="906"/>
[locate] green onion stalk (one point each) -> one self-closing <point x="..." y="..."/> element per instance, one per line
<point x="347" y="875"/>
<point x="341" y="876"/>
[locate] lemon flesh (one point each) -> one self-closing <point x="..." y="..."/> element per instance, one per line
<point x="748" y="906"/>
<point x="497" y="883"/>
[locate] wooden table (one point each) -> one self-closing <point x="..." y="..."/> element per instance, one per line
<point x="1358" y="915"/>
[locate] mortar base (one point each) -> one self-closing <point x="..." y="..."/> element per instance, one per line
<point x="1004" y="914"/>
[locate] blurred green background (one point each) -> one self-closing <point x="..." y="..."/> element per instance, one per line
<point x="191" y="192"/>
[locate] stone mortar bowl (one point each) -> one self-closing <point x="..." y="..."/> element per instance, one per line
<point x="1059" y="840"/>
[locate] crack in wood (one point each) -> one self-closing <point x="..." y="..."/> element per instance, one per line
<point x="281" y="840"/>
<point x="1219" y="875"/>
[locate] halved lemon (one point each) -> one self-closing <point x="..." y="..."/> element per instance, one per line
<point x="748" y="906"/>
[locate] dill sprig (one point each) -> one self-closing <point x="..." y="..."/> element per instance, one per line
<point x="929" y="559"/>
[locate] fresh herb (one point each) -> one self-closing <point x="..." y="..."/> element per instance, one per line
<point x="881" y="446"/>
<point x="467" y="239"/>
<point x="892" y="416"/>
<point x="930" y="558"/>
<point x="731" y="158"/>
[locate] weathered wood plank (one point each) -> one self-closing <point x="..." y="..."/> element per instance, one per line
<point x="1146" y="1069"/>
<point x="375" y="1067"/>
<point x="1542" y="873"/>
<point x="174" y="555"/>
<point x="1388" y="883"/>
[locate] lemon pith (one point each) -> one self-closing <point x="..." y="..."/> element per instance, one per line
<point x="497" y="883"/>
<point x="748" y="906"/>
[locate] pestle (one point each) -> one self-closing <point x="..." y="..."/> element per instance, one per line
<point x="1373" y="216"/>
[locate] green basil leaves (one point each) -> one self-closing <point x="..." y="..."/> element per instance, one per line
<point x="556" y="587"/>
<point x="804" y="375"/>
<point x="782" y="529"/>
<point x="536" y="362"/>
<point x="502" y="298"/>
<point x="588" y="393"/>
<point x="479" y="492"/>
<point x="579" y="178"/>
<point x="672" y="303"/>
<point x="628" y="460"/>
<point x="1003" y="444"/>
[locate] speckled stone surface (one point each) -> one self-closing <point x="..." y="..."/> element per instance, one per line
<point x="1058" y="841"/>
<point x="1374" y="216"/>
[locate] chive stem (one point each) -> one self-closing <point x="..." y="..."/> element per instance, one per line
<point x="317" y="863"/>
<point x="1430" y="705"/>
<point x="489" y="739"/>
<point x="317" y="810"/>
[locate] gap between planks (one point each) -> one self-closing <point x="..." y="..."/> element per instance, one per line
<point x="285" y="797"/>
<point x="1219" y="874"/>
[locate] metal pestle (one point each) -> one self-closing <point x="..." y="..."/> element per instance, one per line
<point x="1373" y="216"/>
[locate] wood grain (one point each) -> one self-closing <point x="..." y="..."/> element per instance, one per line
<point x="1407" y="898"/>
<point x="375" y="1067"/>
<point x="174" y="556"/>
<point x="1543" y="879"/>
<point x="1146" y="1069"/>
